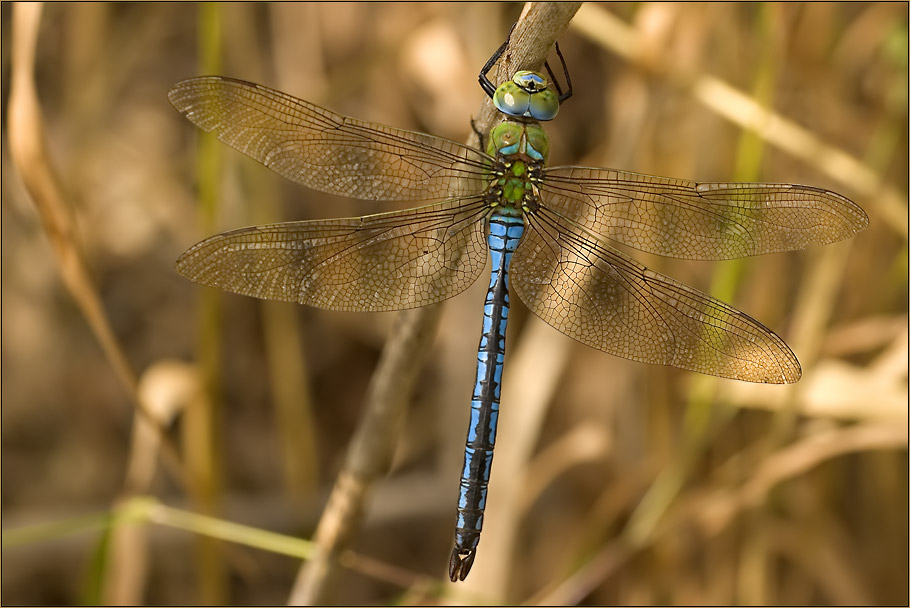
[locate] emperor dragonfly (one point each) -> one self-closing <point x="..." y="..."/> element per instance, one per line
<point x="546" y="230"/>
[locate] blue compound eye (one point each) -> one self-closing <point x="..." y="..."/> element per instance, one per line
<point x="544" y="105"/>
<point x="512" y="100"/>
<point x="527" y="95"/>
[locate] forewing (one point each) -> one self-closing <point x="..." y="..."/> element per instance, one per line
<point x="602" y="298"/>
<point x="700" y="221"/>
<point x="389" y="261"/>
<point x="327" y="151"/>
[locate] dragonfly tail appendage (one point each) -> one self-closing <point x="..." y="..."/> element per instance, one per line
<point x="460" y="563"/>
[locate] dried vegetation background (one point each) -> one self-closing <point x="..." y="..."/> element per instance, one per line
<point x="618" y="483"/>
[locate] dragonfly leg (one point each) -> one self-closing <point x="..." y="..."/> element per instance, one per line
<point x="488" y="87"/>
<point x="565" y="71"/>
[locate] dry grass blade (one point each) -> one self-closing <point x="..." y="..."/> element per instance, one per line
<point x="28" y="145"/>
<point x="30" y="155"/>
<point x="717" y="510"/>
<point x="370" y="451"/>
<point x="792" y="461"/>
<point x="29" y="151"/>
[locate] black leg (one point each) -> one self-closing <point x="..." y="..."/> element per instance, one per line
<point x="485" y="83"/>
<point x="565" y="70"/>
<point x="489" y="88"/>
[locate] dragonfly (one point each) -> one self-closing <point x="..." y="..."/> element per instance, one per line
<point x="549" y="231"/>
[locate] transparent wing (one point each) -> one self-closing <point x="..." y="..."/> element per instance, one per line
<point x="389" y="261"/>
<point x="597" y="295"/>
<point x="699" y="221"/>
<point x="327" y="151"/>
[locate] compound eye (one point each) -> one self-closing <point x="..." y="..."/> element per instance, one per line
<point x="512" y="100"/>
<point x="544" y="105"/>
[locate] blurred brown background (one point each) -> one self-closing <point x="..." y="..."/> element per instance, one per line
<point x="660" y="485"/>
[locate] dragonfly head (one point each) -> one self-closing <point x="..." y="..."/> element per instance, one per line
<point x="527" y="95"/>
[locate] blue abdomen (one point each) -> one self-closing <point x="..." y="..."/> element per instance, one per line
<point x="505" y="232"/>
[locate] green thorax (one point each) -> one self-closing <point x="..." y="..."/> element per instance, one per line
<point x="514" y="139"/>
<point x="521" y="150"/>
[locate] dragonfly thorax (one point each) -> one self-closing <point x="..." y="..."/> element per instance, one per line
<point x="527" y="95"/>
<point x="524" y="141"/>
<point x="521" y="151"/>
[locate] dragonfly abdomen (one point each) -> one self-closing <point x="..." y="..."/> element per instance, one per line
<point x="505" y="232"/>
